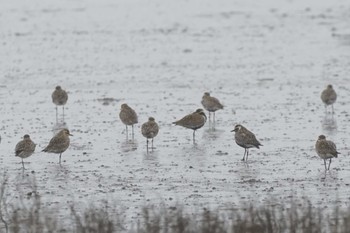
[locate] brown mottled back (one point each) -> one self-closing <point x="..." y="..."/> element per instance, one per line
<point x="127" y="115"/>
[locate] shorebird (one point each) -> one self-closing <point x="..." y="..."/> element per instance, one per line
<point x="211" y="104"/>
<point x="245" y="139"/>
<point x="129" y="117"/>
<point x="25" y="148"/>
<point x="59" y="98"/>
<point x="329" y="96"/>
<point x="326" y="149"/>
<point x="59" y="143"/>
<point x="149" y="130"/>
<point x="193" y="121"/>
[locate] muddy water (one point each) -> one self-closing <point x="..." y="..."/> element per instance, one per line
<point x="267" y="63"/>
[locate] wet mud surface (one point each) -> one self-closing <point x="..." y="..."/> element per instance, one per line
<point x="267" y="63"/>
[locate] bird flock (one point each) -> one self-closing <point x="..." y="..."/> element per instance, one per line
<point x="325" y="149"/>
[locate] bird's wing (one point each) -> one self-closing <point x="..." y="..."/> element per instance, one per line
<point x="19" y="147"/>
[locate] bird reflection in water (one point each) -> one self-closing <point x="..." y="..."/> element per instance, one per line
<point x="129" y="145"/>
<point x="329" y="124"/>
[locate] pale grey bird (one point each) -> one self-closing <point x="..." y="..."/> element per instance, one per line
<point x="245" y="139"/>
<point x="59" y="143"/>
<point x="59" y="98"/>
<point x="193" y="121"/>
<point x="329" y="96"/>
<point x="211" y="104"/>
<point x="326" y="149"/>
<point x="25" y="148"/>
<point x="129" y="117"/>
<point x="150" y="130"/>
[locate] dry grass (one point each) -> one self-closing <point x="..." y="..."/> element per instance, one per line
<point x="29" y="215"/>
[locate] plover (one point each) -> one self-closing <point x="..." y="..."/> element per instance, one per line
<point x="211" y="104"/>
<point x="25" y="148"/>
<point x="149" y="130"/>
<point x="245" y="139"/>
<point x="59" y="98"/>
<point x="59" y="143"/>
<point x="326" y="149"/>
<point x="193" y="121"/>
<point x="128" y="116"/>
<point x="329" y="96"/>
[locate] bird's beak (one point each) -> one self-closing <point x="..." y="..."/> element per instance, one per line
<point x="232" y="130"/>
<point x="70" y="134"/>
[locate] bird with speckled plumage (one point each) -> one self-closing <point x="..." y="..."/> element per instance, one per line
<point x="246" y="139"/>
<point x="328" y="97"/>
<point x="326" y="149"/>
<point x="25" y="148"/>
<point x="129" y="117"/>
<point x="59" y="98"/>
<point x="150" y="130"/>
<point x="193" y="121"/>
<point x="211" y="104"/>
<point x="59" y="143"/>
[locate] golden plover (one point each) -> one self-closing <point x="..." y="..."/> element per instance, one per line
<point x="149" y="130"/>
<point x="245" y="139"/>
<point x="329" y="96"/>
<point x="59" y="143"/>
<point x="211" y="104"/>
<point x="25" y="148"/>
<point x="59" y="98"/>
<point x="193" y="121"/>
<point x="129" y="117"/>
<point x="326" y="149"/>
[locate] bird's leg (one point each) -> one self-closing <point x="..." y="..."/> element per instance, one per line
<point x="60" y="159"/>
<point x="63" y="113"/>
<point x="22" y="164"/>
<point x="214" y="120"/>
<point x="147" y="144"/>
<point x="194" y="136"/>
<point x="56" y="114"/>
<point x="330" y="161"/>
<point x="325" y="165"/>
<point x="152" y="144"/>
<point x="244" y="154"/>
<point x="246" y="159"/>
<point x="332" y="109"/>
<point x="132" y="126"/>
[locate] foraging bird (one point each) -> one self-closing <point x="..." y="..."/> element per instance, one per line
<point x="128" y="116"/>
<point x="211" y="104"/>
<point x="59" y="143"/>
<point x="329" y="96"/>
<point x="245" y="139"/>
<point x="326" y="149"/>
<point x="193" y="121"/>
<point x="59" y="98"/>
<point x="149" y="130"/>
<point x="25" y="148"/>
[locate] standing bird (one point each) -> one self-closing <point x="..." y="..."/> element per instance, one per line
<point x="329" y="96"/>
<point x="59" y="98"/>
<point x="25" y="148"/>
<point x="193" y="121"/>
<point x="59" y="143"/>
<point x="129" y="117"/>
<point x="211" y="104"/>
<point x="245" y="139"/>
<point x="326" y="149"/>
<point x="149" y="130"/>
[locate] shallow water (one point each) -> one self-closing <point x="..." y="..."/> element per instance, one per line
<point x="267" y="63"/>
